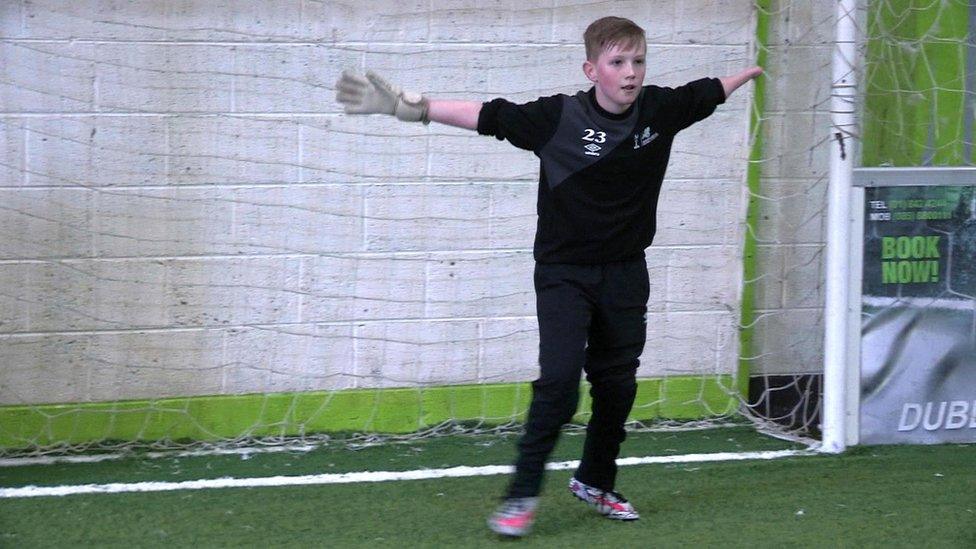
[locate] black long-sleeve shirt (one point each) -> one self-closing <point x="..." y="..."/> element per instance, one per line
<point x="601" y="173"/>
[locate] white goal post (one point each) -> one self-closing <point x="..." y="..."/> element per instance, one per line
<point x="838" y="362"/>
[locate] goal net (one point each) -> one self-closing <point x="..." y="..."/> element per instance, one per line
<point x="201" y="249"/>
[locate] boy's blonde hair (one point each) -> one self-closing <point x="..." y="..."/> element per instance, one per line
<point x="606" y="32"/>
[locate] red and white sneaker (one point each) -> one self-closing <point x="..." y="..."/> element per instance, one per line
<point x="514" y="517"/>
<point x="609" y="504"/>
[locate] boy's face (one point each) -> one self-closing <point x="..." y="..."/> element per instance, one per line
<point x="617" y="75"/>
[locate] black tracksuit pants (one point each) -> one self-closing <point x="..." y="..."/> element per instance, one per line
<point x="592" y="318"/>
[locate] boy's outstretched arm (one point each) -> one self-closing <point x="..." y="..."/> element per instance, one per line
<point x="371" y="94"/>
<point x="732" y="83"/>
<point x="460" y="114"/>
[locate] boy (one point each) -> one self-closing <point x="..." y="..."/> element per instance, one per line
<point x="603" y="155"/>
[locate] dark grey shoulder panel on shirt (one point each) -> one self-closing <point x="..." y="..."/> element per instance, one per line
<point x="583" y="138"/>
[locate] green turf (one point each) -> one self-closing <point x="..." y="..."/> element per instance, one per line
<point x="901" y="496"/>
<point x="423" y="453"/>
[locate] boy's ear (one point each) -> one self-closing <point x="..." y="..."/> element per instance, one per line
<point x="589" y="70"/>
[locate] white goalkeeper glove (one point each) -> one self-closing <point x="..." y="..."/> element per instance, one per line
<point x="373" y="95"/>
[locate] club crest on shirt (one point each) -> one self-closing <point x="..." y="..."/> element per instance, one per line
<point x="641" y="139"/>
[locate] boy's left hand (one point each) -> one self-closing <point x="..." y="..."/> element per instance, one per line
<point x="732" y="83"/>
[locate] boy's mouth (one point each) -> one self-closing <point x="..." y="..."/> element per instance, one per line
<point x="630" y="87"/>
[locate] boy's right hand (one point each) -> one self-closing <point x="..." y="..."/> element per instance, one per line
<point x="374" y="95"/>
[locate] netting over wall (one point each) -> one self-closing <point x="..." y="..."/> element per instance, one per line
<point x="915" y="74"/>
<point x="782" y="325"/>
<point x="200" y="246"/>
<point x="203" y="247"/>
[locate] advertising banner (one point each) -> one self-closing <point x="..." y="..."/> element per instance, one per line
<point x="918" y="329"/>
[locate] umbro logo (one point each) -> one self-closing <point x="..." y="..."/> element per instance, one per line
<point x="592" y="137"/>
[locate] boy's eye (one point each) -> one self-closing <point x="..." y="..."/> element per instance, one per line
<point x="638" y="61"/>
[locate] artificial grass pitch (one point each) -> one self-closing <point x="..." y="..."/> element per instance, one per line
<point x="872" y="497"/>
<point x="428" y="453"/>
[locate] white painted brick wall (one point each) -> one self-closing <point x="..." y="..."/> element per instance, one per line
<point x="186" y="211"/>
<point x="792" y="212"/>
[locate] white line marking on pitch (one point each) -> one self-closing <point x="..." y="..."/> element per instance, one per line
<point x="377" y="476"/>
<point x="98" y="458"/>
